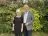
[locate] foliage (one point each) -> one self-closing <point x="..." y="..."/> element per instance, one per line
<point x="42" y="8"/>
<point x="36" y="22"/>
<point x="44" y="16"/>
<point x="38" y="8"/>
<point x="6" y="18"/>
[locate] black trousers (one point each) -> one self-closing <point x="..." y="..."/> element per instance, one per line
<point x="18" y="34"/>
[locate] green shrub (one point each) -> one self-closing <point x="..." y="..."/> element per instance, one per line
<point x="36" y="23"/>
<point x="6" y="18"/>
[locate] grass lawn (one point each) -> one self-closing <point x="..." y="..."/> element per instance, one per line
<point x="33" y="34"/>
<point x="39" y="34"/>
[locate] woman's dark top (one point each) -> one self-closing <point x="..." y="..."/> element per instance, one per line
<point x="18" y="22"/>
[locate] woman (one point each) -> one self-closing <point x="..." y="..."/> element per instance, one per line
<point x="18" y="23"/>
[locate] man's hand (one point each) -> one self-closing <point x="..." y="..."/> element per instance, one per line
<point x="26" y="24"/>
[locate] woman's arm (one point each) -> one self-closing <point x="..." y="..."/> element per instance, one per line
<point x="22" y="27"/>
<point x="22" y="23"/>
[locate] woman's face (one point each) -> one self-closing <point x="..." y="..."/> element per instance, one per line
<point x="18" y="13"/>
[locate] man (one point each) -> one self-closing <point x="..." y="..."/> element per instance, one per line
<point x="27" y="20"/>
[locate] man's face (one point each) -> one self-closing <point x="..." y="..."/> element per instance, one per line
<point x="26" y="10"/>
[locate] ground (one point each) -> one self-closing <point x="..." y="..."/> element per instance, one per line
<point x="33" y="34"/>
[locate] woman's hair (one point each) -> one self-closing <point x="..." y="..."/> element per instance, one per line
<point x="18" y="10"/>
